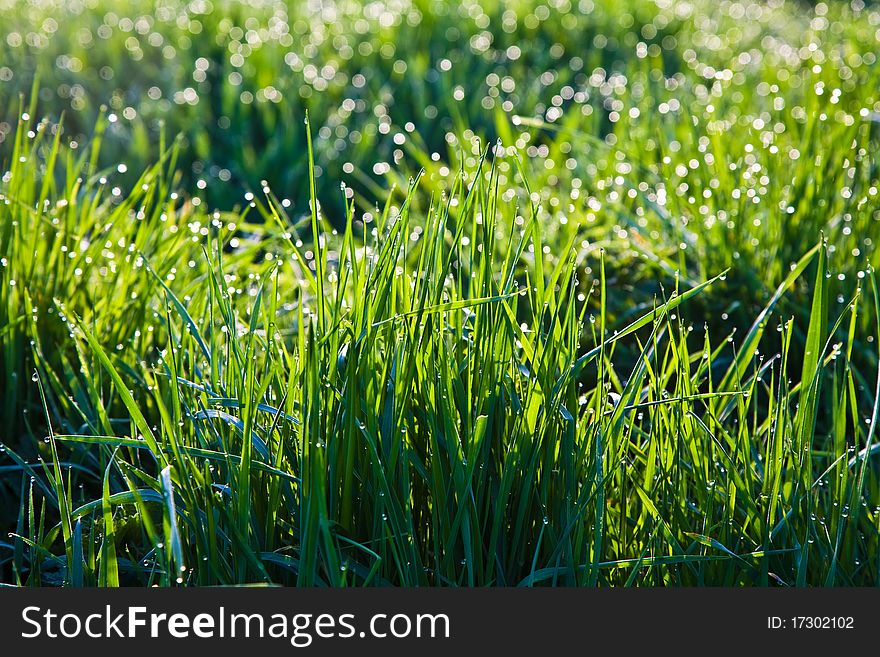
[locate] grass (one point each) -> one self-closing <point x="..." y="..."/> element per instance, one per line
<point x="624" y="346"/>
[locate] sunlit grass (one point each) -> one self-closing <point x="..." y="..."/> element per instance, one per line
<point x="573" y="316"/>
<point x="411" y="413"/>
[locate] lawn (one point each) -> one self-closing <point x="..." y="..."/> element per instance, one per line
<point x="436" y="293"/>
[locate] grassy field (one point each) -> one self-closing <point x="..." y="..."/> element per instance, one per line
<point x="427" y="293"/>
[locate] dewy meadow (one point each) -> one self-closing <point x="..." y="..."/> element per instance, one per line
<point x="428" y="293"/>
